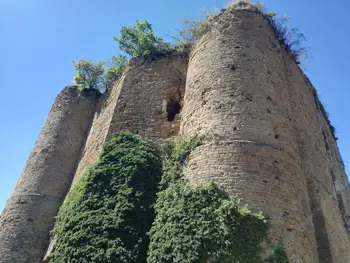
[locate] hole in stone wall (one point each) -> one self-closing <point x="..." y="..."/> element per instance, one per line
<point x="323" y="245"/>
<point x="173" y="104"/>
<point x="232" y="67"/>
<point x="276" y="136"/>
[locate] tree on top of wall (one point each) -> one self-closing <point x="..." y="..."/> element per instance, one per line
<point x="117" y="65"/>
<point x="89" y="75"/>
<point x="140" y="40"/>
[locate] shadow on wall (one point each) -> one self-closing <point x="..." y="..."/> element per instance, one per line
<point x="174" y="101"/>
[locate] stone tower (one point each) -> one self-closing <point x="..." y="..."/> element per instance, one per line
<point x="267" y="140"/>
<point x="29" y="213"/>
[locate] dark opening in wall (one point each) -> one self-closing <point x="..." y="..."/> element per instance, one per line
<point x="323" y="246"/>
<point x="319" y="222"/>
<point x="173" y="103"/>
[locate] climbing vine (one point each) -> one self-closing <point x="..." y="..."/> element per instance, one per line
<point x="175" y="154"/>
<point x="109" y="211"/>
<point x="196" y="224"/>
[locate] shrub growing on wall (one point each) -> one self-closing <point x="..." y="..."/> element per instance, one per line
<point x="108" y="212"/>
<point x="193" y="30"/>
<point x="89" y="75"/>
<point x="140" y="40"/>
<point x="114" y="72"/>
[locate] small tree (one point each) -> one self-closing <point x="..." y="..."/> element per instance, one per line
<point x="117" y="66"/>
<point x="140" y="40"/>
<point x="89" y="75"/>
<point x="194" y="29"/>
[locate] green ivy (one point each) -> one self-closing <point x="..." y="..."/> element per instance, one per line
<point x="175" y="155"/>
<point x="196" y="224"/>
<point x="109" y="211"/>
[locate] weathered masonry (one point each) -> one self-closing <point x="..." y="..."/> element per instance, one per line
<point x="266" y="140"/>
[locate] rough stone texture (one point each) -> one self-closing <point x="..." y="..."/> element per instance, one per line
<point x="265" y="140"/>
<point x="145" y="93"/>
<point x="322" y="167"/>
<point x="237" y="98"/>
<point x="138" y="103"/>
<point x="29" y="213"/>
<point x="98" y="131"/>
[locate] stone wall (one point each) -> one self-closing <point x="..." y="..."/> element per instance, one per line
<point x="237" y="98"/>
<point x="266" y="140"/>
<point x="29" y="213"/>
<point x="147" y="91"/>
<point x="138" y="103"/>
<point x="98" y="131"/>
<point x="322" y="167"/>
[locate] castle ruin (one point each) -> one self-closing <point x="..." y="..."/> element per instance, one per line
<point x="266" y="140"/>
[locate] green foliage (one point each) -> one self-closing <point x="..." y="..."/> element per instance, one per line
<point x="175" y="155"/>
<point x="114" y="72"/>
<point x="240" y="3"/>
<point x="193" y="30"/>
<point x="140" y="41"/>
<point x="291" y="38"/>
<point x="202" y="224"/>
<point x="197" y="224"/>
<point x="89" y="75"/>
<point x="108" y="212"/>
<point x="279" y="255"/>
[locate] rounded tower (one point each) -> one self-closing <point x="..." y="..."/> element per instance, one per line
<point x="28" y="216"/>
<point x="237" y="99"/>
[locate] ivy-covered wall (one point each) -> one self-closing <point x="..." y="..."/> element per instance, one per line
<point x="109" y="211"/>
<point x="108" y="216"/>
<point x="196" y="224"/>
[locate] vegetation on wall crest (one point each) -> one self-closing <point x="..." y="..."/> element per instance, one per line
<point x="193" y="30"/>
<point x="140" y="41"/>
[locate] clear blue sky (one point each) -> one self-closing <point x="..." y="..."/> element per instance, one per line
<point x="40" y="38"/>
